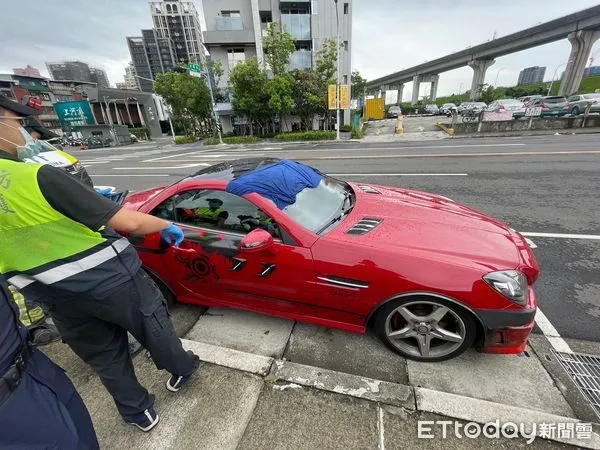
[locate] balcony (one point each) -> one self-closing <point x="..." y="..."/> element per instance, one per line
<point x="229" y="23"/>
<point x="298" y="25"/>
<point x="300" y="59"/>
<point x="228" y="37"/>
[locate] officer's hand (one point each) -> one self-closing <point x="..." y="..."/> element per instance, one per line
<point x="173" y="233"/>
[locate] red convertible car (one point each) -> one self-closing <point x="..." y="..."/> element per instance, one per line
<point x="431" y="276"/>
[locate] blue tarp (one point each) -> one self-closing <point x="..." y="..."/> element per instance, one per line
<point x="279" y="182"/>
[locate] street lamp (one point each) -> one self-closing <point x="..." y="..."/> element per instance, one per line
<point x="170" y="111"/>
<point x="498" y="73"/>
<point x="337" y="94"/>
<point x="554" y="76"/>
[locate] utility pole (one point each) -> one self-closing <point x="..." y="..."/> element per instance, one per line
<point x="337" y="94"/>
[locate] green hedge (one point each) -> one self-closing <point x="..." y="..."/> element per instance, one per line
<point x="140" y="132"/>
<point x="232" y="140"/>
<point x="306" y="136"/>
<point x="357" y="133"/>
<point x="184" y="140"/>
<point x="347" y="128"/>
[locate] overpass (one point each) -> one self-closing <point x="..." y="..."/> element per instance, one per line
<point x="582" y="29"/>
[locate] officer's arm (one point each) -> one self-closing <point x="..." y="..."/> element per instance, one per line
<point x="136" y="222"/>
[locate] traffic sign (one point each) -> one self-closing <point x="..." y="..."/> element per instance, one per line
<point x="533" y="112"/>
<point x="195" y="70"/>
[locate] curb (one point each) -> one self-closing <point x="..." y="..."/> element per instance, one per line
<point x="412" y="398"/>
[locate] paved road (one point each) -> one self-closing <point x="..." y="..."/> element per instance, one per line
<point x="543" y="184"/>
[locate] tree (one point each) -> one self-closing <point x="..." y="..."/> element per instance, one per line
<point x="278" y="45"/>
<point x="248" y="84"/>
<point x="188" y="97"/>
<point x="325" y="70"/>
<point x="359" y="84"/>
<point x="487" y="93"/>
<point x="281" y="100"/>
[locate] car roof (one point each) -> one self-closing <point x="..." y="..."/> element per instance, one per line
<point x="231" y="170"/>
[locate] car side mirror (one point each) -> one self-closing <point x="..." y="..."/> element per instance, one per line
<point x="256" y="241"/>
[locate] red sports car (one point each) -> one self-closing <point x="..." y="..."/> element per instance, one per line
<point x="431" y="276"/>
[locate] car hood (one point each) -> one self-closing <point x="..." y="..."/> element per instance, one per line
<point x="421" y="222"/>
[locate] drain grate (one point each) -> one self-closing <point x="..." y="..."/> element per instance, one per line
<point x="585" y="372"/>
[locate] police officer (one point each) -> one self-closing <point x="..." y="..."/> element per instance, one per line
<point x="58" y="249"/>
<point x="213" y="214"/>
<point x="39" y="406"/>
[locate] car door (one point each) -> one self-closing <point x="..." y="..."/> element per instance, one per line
<point x="210" y="265"/>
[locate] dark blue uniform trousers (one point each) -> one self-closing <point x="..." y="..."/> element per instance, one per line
<point x="45" y="411"/>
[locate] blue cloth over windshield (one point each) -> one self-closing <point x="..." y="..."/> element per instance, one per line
<point x="279" y="182"/>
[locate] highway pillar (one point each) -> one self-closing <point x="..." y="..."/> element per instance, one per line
<point x="415" y="91"/>
<point x="400" y="88"/>
<point x="581" y="46"/>
<point x="434" y="86"/>
<point x="480" y="67"/>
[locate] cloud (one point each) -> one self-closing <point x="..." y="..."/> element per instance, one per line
<point x="391" y="35"/>
<point x="388" y="35"/>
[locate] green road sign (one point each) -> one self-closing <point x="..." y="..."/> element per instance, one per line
<point x="195" y="70"/>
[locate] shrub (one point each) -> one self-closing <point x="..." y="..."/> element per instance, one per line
<point x="306" y="136"/>
<point x="140" y="132"/>
<point x="357" y="133"/>
<point x="211" y="141"/>
<point x="184" y="140"/>
<point x="347" y="128"/>
<point x="241" y="139"/>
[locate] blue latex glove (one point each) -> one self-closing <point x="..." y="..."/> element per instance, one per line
<point x="106" y="192"/>
<point x="173" y="232"/>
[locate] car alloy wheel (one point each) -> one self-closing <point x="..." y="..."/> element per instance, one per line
<point x="426" y="329"/>
<point x="575" y="111"/>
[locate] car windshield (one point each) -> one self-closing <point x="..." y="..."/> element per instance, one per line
<point x="316" y="208"/>
<point x="394" y="108"/>
<point x="46" y="147"/>
<point x="555" y="100"/>
<point x="509" y="101"/>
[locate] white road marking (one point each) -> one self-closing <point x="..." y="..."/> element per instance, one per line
<point x="559" y="344"/>
<point x="399" y="174"/>
<point x="381" y="445"/>
<point x="449" y="155"/>
<point x="594" y="237"/>
<point x="418" y="147"/>
<point x="183" y="166"/>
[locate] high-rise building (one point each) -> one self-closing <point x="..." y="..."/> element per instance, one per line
<point x="531" y="75"/>
<point x="78" y="71"/>
<point x="235" y="30"/>
<point x="130" y="81"/>
<point x="179" y="22"/>
<point x="151" y="54"/>
<point x="28" y="71"/>
<point x="99" y="77"/>
<point x="69" y="70"/>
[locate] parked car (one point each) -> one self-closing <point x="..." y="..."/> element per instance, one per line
<point x="447" y="108"/>
<point x="508" y="104"/>
<point x="475" y="107"/>
<point x="528" y="99"/>
<point x="394" y="111"/>
<point x="431" y="276"/>
<point x="432" y="109"/>
<point x="552" y="106"/>
<point x="463" y="106"/>
<point x="576" y="104"/>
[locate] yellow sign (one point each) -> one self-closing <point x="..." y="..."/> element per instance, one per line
<point x="332" y="97"/>
<point x="344" y="96"/>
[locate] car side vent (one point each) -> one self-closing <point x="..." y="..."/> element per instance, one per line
<point x="364" y="225"/>
<point x="368" y="189"/>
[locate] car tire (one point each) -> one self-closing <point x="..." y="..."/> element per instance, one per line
<point x="575" y="111"/>
<point x="430" y="318"/>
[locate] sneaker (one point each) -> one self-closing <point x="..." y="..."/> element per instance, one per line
<point x="176" y="382"/>
<point x="44" y="334"/>
<point x="144" y="421"/>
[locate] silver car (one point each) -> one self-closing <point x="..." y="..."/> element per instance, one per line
<point x="507" y="104"/>
<point x="576" y="104"/>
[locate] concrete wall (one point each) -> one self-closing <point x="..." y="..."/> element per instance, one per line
<point x="523" y="125"/>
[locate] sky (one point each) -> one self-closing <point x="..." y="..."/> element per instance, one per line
<point x="388" y="35"/>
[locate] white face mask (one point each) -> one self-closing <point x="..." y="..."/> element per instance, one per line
<point x="30" y="149"/>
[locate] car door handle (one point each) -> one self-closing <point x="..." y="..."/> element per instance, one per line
<point x="268" y="269"/>
<point x="238" y="265"/>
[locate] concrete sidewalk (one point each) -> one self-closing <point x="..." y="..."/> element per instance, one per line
<point x="270" y="383"/>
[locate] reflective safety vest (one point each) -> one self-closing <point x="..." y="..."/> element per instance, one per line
<point x="40" y="247"/>
<point x="208" y="213"/>
<point x="27" y="316"/>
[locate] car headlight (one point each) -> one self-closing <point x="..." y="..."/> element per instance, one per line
<point x="77" y="167"/>
<point x="510" y="283"/>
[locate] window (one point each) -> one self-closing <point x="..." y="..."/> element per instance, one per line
<point x="215" y="210"/>
<point x="346" y="8"/>
<point x="346" y="45"/>
<point x="345" y="79"/>
<point x="229" y="20"/>
<point x="235" y="56"/>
